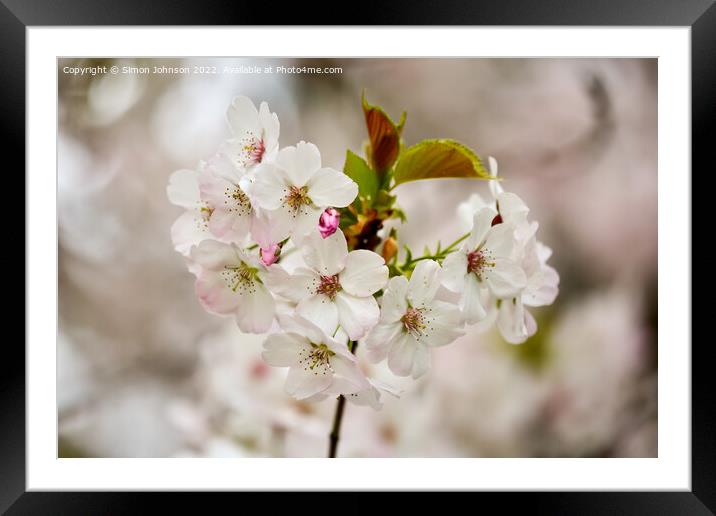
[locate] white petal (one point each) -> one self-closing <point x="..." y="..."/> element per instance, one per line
<point x="270" y="127"/>
<point x="454" y="273"/>
<point x="295" y="323"/>
<point x="542" y="287"/>
<point x="230" y="226"/>
<point x="243" y="118"/>
<point x="466" y="211"/>
<point x="183" y="189"/>
<point x="326" y="256"/>
<point x="269" y="188"/>
<point x="380" y="339"/>
<point x="402" y="355"/>
<point x="350" y="372"/>
<point x="470" y="302"/>
<point x="394" y="303"/>
<point x="215" y="255"/>
<point x="424" y="283"/>
<point x="511" y="321"/>
<point x="421" y="361"/>
<point x="443" y="322"/>
<point x="506" y="279"/>
<point x="512" y="208"/>
<point x="500" y="240"/>
<point x="302" y="383"/>
<point x="214" y="294"/>
<point x="256" y="310"/>
<point x="321" y="311"/>
<point x="189" y="230"/>
<point x="481" y="223"/>
<point x="296" y="286"/>
<point x="364" y="274"/>
<point x="281" y="349"/>
<point x="329" y="187"/>
<point x="299" y="162"/>
<point x="356" y="315"/>
<point x="305" y="222"/>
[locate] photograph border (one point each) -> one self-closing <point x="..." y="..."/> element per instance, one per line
<point x="699" y="15"/>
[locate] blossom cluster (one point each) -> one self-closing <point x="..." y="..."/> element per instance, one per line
<point x="292" y="248"/>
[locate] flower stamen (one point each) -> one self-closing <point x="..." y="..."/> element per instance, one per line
<point x="317" y="359"/>
<point x="329" y="286"/>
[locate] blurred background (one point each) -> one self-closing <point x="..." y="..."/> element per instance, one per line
<point x="144" y="371"/>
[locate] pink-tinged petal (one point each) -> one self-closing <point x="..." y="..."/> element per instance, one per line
<point x="401" y="356"/>
<point x="329" y="187"/>
<point x="380" y="339"/>
<point x="326" y="256"/>
<point x="444" y="324"/>
<point x="481" y="224"/>
<point x="321" y="311"/>
<point x="356" y="315"/>
<point x="243" y="118"/>
<point x="303" y="383"/>
<point x="424" y="283"/>
<point x="270" y="127"/>
<point x="296" y="286"/>
<point x="269" y="188"/>
<point x="511" y="321"/>
<point x="214" y="294"/>
<point x="299" y="162"/>
<point x="230" y="226"/>
<point x="500" y="240"/>
<point x="506" y="279"/>
<point x="394" y="301"/>
<point x="471" y="301"/>
<point x="364" y="274"/>
<point x="267" y="230"/>
<point x="214" y="255"/>
<point x="421" y="362"/>
<point x="183" y="189"/>
<point x="454" y="275"/>
<point x="256" y="310"/>
<point x="189" y="230"/>
<point x="281" y="349"/>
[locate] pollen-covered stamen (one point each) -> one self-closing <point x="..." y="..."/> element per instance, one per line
<point x="241" y="278"/>
<point x="237" y="201"/>
<point x="205" y="211"/>
<point x="329" y="286"/>
<point x="414" y="321"/>
<point x="252" y="149"/>
<point x="478" y="261"/>
<point x="317" y="359"/>
<point x="296" y="197"/>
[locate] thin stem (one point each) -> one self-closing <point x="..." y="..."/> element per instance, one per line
<point x="335" y="434"/>
<point x="437" y="256"/>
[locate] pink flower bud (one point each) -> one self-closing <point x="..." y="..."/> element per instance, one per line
<point x="270" y="254"/>
<point x="328" y="222"/>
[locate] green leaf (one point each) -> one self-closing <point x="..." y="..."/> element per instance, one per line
<point x="358" y="170"/>
<point x="384" y="136"/>
<point x="435" y="159"/>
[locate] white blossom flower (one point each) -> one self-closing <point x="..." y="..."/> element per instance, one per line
<point x="255" y="132"/>
<point x="230" y="281"/>
<point x="318" y="364"/>
<point x="412" y="321"/>
<point x="297" y="190"/>
<point x="336" y="287"/>
<point x="484" y="261"/>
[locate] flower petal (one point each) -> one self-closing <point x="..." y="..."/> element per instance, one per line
<point x="256" y="309"/>
<point x="402" y="355"/>
<point x="329" y="187"/>
<point x="183" y="189"/>
<point x="444" y="324"/>
<point x="349" y="371"/>
<point x="511" y="321"/>
<point x="421" y="361"/>
<point x="302" y="383"/>
<point x="214" y="294"/>
<point x="215" y="255"/>
<point x="321" y="311"/>
<point x="243" y="118"/>
<point x="454" y="275"/>
<point x="269" y="188"/>
<point x="481" y="224"/>
<point x="506" y="279"/>
<point x="364" y="274"/>
<point x="356" y="315"/>
<point x="380" y="339"/>
<point x="296" y="286"/>
<point x="281" y="349"/>
<point x="500" y="240"/>
<point x="424" y="283"/>
<point x="299" y="162"/>
<point x="471" y="303"/>
<point x="189" y="230"/>
<point x="270" y="127"/>
<point x="326" y="256"/>
<point x="394" y="303"/>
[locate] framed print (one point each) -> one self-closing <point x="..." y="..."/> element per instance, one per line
<point x="378" y="257"/>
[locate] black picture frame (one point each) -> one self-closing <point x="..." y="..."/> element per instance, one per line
<point x="700" y="15"/>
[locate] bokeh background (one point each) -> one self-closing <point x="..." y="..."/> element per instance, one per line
<point x="144" y="371"/>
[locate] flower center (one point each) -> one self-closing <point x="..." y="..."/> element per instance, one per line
<point x="297" y="197"/>
<point x="478" y="261"/>
<point x="329" y="286"/>
<point x="252" y="150"/>
<point x="414" y="321"/>
<point x="236" y="200"/>
<point x="317" y="359"/>
<point x="241" y="278"/>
